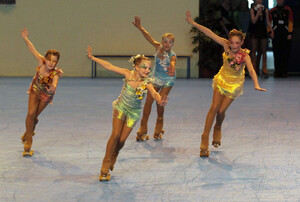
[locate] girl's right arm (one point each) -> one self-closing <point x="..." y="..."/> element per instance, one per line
<point x="107" y="65"/>
<point x="36" y="54"/>
<point x="254" y="17"/>
<point x="223" y="42"/>
<point x="137" y="23"/>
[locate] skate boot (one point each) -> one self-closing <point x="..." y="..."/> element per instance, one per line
<point x="27" y="146"/>
<point x="158" y="129"/>
<point x="142" y="134"/>
<point x="104" y="177"/>
<point x="23" y="137"/>
<point x="204" y="152"/>
<point x="217" y="135"/>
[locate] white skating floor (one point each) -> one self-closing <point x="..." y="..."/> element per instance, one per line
<point x="259" y="159"/>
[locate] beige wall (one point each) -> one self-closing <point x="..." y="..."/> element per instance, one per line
<point x="70" y="25"/>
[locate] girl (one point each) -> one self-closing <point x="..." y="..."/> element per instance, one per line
<point x="164" y="77"/>
<point x="127" y="108"/>
<point x="259" y="40"/>
<point x="227" y="84"/>
<point x="41" y="90"/>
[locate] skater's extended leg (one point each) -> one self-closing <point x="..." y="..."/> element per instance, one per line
<point x="160" y="115"/>
<point x="217" y="134"/>
<point x="142" y="132"/>
<point x="214" y="108"/>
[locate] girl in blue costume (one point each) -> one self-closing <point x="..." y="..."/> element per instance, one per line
<point x="227" y="84"/>
<point x="164" y="77"/>
<point x="127" y="108"/>
<point x="41" y="90"/>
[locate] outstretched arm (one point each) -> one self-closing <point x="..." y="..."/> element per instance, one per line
<point x="162" y="101"/>
<point x="137" y="23"/>
<point x="107" y="65"/>
<point x="223" y="42"/>
<point x="252" y="73"/>
<point x="36" y="54"/>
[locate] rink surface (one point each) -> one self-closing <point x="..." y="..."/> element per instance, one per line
<point x="258" y="159"/>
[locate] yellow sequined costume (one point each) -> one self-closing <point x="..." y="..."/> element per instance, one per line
<point x="229" y="81"/>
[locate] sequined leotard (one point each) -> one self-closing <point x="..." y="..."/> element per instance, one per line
<point x="230" y="79"/>
<point x="129" y="104"/>
<point x="40" y="84"/>
<point x="159" y="73"/>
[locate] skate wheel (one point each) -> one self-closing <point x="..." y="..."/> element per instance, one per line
<point x="28" y="154"/>
<point x="204" y="153"/>
<point x="104" y="177"/>
<point x="216" y="144"/>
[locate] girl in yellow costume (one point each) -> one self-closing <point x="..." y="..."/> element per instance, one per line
<point x="227" y="84"/>
<point x="41" y="90"/>
<point x="127" y="108"/>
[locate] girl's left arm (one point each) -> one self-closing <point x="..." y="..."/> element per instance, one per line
<point x="269" y="27"/>
<point x="162" y="101"/>
<point x="171" y="67"/>
<point x="253" y="73"/>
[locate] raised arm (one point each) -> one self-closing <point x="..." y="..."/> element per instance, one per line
<point x="107" y="65"/>
<point x="223" y="42"/>
<point x="137" y="23"/>
<point x="252" y="73"/>
<point x="162" y="101"/>
<point x="36" y="54"/>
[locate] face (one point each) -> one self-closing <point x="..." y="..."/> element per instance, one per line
<point x="167" y="43"/>
<point x="235" y="44"/>
<point x="51" y="62"/>
<point x="258" y="1"/>
<point x="144" y="68"/>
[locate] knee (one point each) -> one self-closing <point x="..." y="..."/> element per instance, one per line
<point x="121" y="144"/>
<point x="221" y="113"/>
<point x="213" y="109"/>
<point x="31" y="115"/>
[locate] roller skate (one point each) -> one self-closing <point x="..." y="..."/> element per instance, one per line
<point x="204" y="152"/>
<point x="104" y="177"/>
<point x="27" y="147"/>
<point x="158" y="129"/>
<point x="142" y="134"/>
<point x="217" y="135"/>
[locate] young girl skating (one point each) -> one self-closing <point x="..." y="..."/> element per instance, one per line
<point x="164" y="77"/>
<point x="41" y="90"/>
<point x="227" y="84"/>
<point x="127" y="108"/>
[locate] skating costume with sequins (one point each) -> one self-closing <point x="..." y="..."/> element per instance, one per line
<point x="160" y="71"/>
<point x="129" y="104"/>
<point x="40" y="84"/>
<point x="230" y="79"/>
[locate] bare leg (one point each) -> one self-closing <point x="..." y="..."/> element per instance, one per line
<point x="160" y="114"/>
<point x="217" y="135"/>
<point x="33" y="102"/>
<point x="214" y="108"/>
<point x="141" y="134"/>
<point x="263" y="43"/>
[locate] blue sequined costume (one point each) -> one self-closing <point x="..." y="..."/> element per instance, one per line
<point x="159" y="73"/>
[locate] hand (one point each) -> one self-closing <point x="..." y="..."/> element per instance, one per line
<point x="272" y="35"/>
<point x="137" y="22"/>
<point x="164" y="100"/>
<point x="170" y="71"/>
<point x="289" y="37"/>
<point x="51" y="89"/>
<point x="260" y="89"/>
<point x="24" y="33"/>
<point x="89" y="52"/>
<point x="188" y="17"/>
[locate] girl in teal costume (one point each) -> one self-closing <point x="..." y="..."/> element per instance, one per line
<point x="127" y="108"/>
<point x="164" y="76"/>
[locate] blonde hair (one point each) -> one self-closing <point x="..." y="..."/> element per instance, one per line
<point x="137" y="59"/>
<point x="238" y="33"/>
<point x="168" y="35"/>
